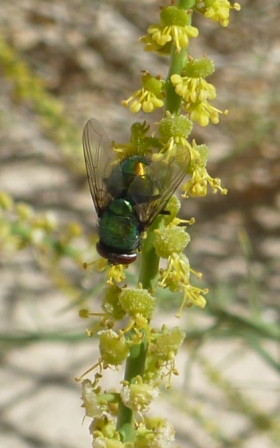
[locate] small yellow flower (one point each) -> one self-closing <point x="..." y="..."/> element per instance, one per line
<point x="149" y="97"/>
<point x="174" y="26"/>
<point x="203" y="112"/>
<point x="116" y="273"/>
<point x="180" y="35"/>
<point x="218" y="10"/>
<point x="193" y="89"/>
<point x="176" y="278"/>
<point x="198" y="184"/>
<point x="152" y="45"/>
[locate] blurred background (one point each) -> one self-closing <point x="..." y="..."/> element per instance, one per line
<point x="63" y="62"/>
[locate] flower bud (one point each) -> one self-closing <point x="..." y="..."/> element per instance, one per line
<point x="178" y="126"/>
<point x="114" y="348"/>
<point x="167" y="343"/>
<point x="110" y="302"/>
<point x="137" y="301"/>
<point x="170" y="240"/>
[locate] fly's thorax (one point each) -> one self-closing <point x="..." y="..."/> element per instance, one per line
<point x="134" y="165"/>
<point x="119" y="227"/>
<point x="138" y="181"/>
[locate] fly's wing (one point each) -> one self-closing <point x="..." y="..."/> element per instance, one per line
<point x="99" y="159"/>
<point x="165" y="175"/>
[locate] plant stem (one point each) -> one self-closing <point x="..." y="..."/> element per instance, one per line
<point x="148" y="274"/>
<point x="172" y="100"/>
<point x="177" y="60"/>
<point x="135" y="365"/>
<point x="149" y="259"/>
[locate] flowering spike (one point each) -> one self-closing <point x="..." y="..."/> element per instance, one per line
<point x="133" y="181"/>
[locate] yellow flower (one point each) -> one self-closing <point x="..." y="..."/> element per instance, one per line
<point x="116" y="273"/>
<point x="198" y="184"/>
<point x="176" y="277"/>
<point x="149" y="97"/>
<point x="179" y="34"/>
<point x="174" y="27"/>
<point x="203" y="112"/>
<point x="218" y="11"/>
<point x="193" y="89"/>
<point x="152" y="45"/>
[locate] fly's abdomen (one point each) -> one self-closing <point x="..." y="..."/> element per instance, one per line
<point x="119" y="227"/>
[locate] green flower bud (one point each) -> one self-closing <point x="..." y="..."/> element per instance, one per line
<point x="172" y="15"/>
<point x="110" y="302"/>
<point x="106" y="427"/>
<point x="152" y="84"/>
<point x="167" y="343"/>
<point x="114" y="348"/>
<point x="170" y="240"/>
<point x="178" y="126"/>
<point x="198" y="68"/>
<point x="137" y="301"/>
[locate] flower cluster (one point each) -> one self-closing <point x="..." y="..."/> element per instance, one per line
<point x="149" y="97"/>
<point x="196" y="92"/>
<point x="198" y="184"/>
<point x="174" y="26"/>
<point x="169" y="244"/>
<point x="217" y="10"/>
<point x="148" y="169"/>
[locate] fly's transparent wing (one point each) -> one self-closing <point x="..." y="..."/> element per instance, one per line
<point x="165" y="174"/>
<point x="99" y="159"/>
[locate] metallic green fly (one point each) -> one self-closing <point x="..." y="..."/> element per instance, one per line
<point x="128" y="193"/>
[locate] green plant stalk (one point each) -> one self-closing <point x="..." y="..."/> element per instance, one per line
<point x="172" y="100"/>
<point x="135" y="365"/>
<point x="149" y="259"/>
<point x="148" y="274"/>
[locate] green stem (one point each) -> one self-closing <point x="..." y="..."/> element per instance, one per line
<point x="149" y="259"/>
<point x="172" y="100"/>
<point x="177" y="60"/>
<point x="148" y="274"/>
<point x="135" y="365"/>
